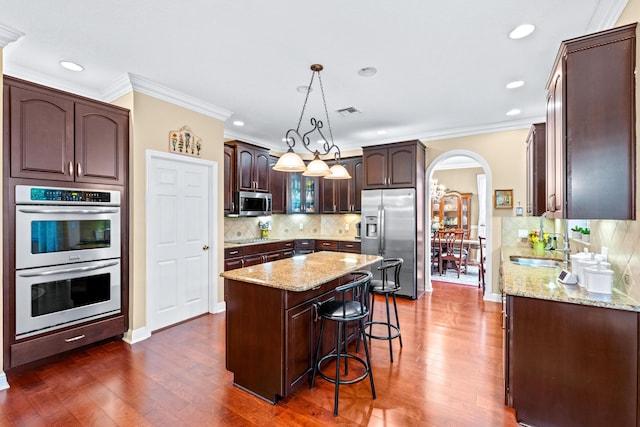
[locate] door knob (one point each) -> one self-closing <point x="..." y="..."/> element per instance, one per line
<point x="205" y="247"/>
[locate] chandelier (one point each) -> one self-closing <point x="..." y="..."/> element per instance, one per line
<point x="291" y="162"/>
<point x="437" y="190"/>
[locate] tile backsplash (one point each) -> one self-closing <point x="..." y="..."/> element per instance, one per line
<point x="621" y="238"/>
<point x="289" y="226"/>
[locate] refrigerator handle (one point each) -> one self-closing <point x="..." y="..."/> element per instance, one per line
<point x="382" y="227"/>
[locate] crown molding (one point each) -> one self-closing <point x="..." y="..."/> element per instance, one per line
<point x="523" y="123"/>
<point x="8" y="35"/>
<point x="47" y="80"/>
<point x="233" y="134"/>
<point x="605" y="15"/>
<point x="131" y="81"/>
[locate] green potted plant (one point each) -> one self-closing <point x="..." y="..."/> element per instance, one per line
<point x="576" y="233"/>
<point x="586" y="235"/>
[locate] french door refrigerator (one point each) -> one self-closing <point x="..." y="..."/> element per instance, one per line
<point x="389" y="230"/>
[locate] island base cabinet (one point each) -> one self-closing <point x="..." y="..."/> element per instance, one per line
<point x="572" y="364"/>
<point x="271" y="335"/>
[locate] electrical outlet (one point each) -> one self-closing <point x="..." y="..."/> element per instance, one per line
<point x="301" y="226"/>
<point x="346" y="227"/>
<point x="523" y="233"/>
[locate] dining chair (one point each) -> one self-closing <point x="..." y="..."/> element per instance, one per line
<point x="453" y="251"/>
<point x="483" y="259"/>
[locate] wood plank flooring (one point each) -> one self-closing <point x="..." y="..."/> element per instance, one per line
<point x="449" y="373"/>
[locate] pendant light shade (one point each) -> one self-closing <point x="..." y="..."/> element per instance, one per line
<point x="337" y="172"/>
<point x="317" y="168"/>
<point x="290" y="162"/>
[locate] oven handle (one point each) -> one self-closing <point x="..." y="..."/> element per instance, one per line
<point x="69" y="270"/>
<point x="68" y="211"/>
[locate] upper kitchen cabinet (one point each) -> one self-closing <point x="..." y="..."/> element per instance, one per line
<point x="252" y="167"/>
<point x="63" y="137"/>
<point x="399" y="165"/>
<point x="229" y="178"/>
<point x="303" y="194"/>
<point x="536" y="170"/>
<point x="278" y="188"/>
<point x="590" y="136"/>
<point x="343" y="195"/>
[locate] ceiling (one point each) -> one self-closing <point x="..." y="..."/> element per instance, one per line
<point x="442" y="66"/>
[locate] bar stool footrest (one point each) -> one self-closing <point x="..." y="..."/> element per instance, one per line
<point x="380" y="337"/>
<point x="346" y="381"/>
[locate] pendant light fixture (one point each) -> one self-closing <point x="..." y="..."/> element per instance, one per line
<point x="291" y="162"/>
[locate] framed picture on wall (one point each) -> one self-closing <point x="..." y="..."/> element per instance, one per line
<point x="503" y="199"/>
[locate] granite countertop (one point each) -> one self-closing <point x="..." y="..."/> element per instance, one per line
<point x="542" y="283"/>
<point x="302" y="272"/>
<point x="257" y="241"/>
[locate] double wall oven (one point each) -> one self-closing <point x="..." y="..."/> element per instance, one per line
<point x="67" y="257"/>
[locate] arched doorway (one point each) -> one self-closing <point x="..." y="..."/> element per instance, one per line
<point x="487" y="206"/>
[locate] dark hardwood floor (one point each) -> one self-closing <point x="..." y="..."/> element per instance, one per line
<point x="449" y="373"/>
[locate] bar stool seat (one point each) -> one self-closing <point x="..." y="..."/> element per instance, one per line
<point x="350" y="305"/>
<point x="386" y="287"/>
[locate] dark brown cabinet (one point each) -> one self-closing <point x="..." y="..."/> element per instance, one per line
<point x="399" y="165"/>
<point x="591" y="127"/>
<point x="229" y="178"/>
<point x="278" y="188"/>
<point x="353" y="247"/>
<point x="304" y="246"/>
<point x="536" y="170"/>
<point x="343" y="195"/>
<point x="62" y="137"/>
<point x="571" y="364"/>
<point x="246" y="256"/>
<point x="283" y="329"/>
<point x="251" y="167"/>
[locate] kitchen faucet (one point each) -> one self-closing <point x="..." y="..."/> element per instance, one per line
<point x="541" y="232"/>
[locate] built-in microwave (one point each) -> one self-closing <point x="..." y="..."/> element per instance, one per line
<point x="252" y="204"/>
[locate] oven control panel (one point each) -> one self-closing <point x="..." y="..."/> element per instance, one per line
<point x="26" y="194"/>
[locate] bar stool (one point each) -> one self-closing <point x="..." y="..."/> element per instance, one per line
<point x="386" y="287"/>
<point x="350" y="305"/>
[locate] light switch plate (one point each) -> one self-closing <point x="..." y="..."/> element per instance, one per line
<point x="523" y="233"/>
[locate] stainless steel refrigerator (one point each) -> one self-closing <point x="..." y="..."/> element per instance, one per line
<point x="389" y="229"/>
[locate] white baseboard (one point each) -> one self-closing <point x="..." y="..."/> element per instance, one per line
<point x="136" y="335"/>
<point x="219" y="308"/>
<point x="493" y="297"/>
<point x="4" y="384"/>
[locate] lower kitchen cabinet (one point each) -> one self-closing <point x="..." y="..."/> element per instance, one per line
<point x="571" y="364"/>
<point x="30" y="350"/>
<point x="245" y="256"/>
<point x="304" y="246"/>
<point x="303" y="329"/>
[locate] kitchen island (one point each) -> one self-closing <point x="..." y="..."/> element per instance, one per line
<point x="271" y="332"/>
<point x="571" y="356"/>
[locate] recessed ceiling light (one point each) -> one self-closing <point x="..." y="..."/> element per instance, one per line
<point x="513" y="112"/>
<point x="522" y="31"/>
<point x="515" y="84"/>
<point x="382" y="132"/>
<point x="304" y="89"/>
<point x="238" y="123"/>
<point x="367" y="71"/>
<point x="72" y="66"/>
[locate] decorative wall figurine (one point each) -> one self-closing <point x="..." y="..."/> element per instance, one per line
<point x="184" y="141"/>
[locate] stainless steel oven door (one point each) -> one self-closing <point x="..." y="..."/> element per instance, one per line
<point x="54" y="297"/>
<point x="50" y="235"/>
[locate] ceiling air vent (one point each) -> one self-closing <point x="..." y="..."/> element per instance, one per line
<point x="348" y="112"/>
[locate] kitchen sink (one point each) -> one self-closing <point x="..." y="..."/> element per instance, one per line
<point x="534" y="262"/>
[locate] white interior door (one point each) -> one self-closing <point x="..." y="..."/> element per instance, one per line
<point x="178" y="212"/>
